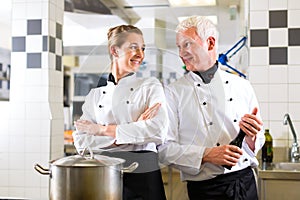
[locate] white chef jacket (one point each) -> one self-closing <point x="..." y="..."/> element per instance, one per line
<point x="206" y="115"/>
<point x="122" y="104"/>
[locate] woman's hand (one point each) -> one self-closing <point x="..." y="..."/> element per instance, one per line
<point x="149" y="112"/>
<point x="110" y="130"/>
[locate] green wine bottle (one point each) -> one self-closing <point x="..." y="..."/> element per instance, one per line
<point x="267" y="149"/>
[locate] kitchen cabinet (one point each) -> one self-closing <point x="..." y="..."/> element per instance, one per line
<point x="279" y="184"/>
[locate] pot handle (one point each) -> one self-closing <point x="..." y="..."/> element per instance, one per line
<point x="90" y="150"/>
<point x="41" y="170"/>
<point x="130" y="168"/>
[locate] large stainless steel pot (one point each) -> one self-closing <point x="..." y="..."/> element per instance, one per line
<point x="79" y="177"/>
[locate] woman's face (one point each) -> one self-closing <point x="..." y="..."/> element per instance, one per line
<point x="130" y="54"/>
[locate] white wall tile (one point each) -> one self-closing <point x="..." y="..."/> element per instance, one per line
<point x="34" y="43"/>
<point x="33" y="110"/>
<point x="278" y="110"/>
<point x="17" y="111"/>
<point x="18" y="60"/>
<point x="259" y="5"/>
<point x="294" y="110"/>
<point x="32" y="144"/>
<point x="46" y="127"/>
<point x="278" y="130"/>
<point x="52" y="11"/>
<point x="58" y="47"/>
<point x="36" y="93"/>
<point x="294" y="94"/>
<point x="19" y="11"/>
<point x="56" y="78"/>
<point x="32" y="193"/>
<point x="280" y="143"/>
<point x="278" y="93"/>
<point x="293" y="55"/>
<point x="278" y="4"/>
<point x="258" y="74"/>
<point x="262" y="92"/>
<point x="3" y="146"/>
<point x="45" y="144"/>
<point x="293" y="4"/>
<point x="3" y="178"/>
<point x="30" y="160"/>
<point x="278" y="37"/>
<point x="259" y="56"/>
<point x="16" y="161"/>
<point x="16" y="127"/>
<point x="34" y="10"/>
<point x="51" y="62"/>
<point x="19" y="27"/>
<point x="17" y="95"/>
<point x="32" y="128"/>
<point x="294" y="73"/>
<point x="32" y="178"/>
<point x="293" y="18"/>
<point x="264" y="111"/>
<point x="4" y="158"/>
<point x="16" y="191"/>
<point x="4" y="191"/>
<point x="33" y="77"/>
<point x="259" y="19"/>
<point x="278" y="74"/>
<point x="45" y="10"/>
<point x="4" y="125"/>
<point x="44" y="193"/>
<point x="45" y="27"/>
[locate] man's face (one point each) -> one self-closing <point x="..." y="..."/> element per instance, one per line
<point x="194" y="52"/>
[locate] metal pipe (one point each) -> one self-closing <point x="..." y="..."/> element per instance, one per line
<point x="287" y="121"/>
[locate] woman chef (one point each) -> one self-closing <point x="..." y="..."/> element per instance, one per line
<point x="127" y="117"/>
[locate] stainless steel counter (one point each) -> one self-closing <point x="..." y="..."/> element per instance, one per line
<point x="278" y="174"/>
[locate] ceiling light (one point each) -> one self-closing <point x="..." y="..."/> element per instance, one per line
<point x="212" y="18"/>
<point x="183" y="3"/>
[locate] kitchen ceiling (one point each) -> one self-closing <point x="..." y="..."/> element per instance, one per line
<point x="85" y="27"/>
<point x="131" y="11"/>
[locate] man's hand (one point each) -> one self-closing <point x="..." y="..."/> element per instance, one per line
<point x="95" y="129"/>
<point x="88" y="127"/>
<point x="251" y="125"/>
<point x="222" y="155"/>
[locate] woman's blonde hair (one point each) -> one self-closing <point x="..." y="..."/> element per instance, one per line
<point x="117" y="35"/>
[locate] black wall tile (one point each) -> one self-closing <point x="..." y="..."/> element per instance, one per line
<point x="34" y="26"/>
<point x="45" y="43"/>
<point x="51" y="44"/>
<point x="34" y="60"/>
<point x="58" y="66"/>
<point x="259" y="38"/>
<point x="278" y="19"/>
<point x="18" y="44"/>
<point x="294" y="36"/>
<point x="278" y="56"/>
<point x="58" y="31"/>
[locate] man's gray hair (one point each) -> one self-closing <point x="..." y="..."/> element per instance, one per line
<point x="205" y="27"/>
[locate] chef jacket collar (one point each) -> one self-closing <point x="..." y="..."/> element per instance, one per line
<point x="208" y="75"/>
<point x="111" y="78"/>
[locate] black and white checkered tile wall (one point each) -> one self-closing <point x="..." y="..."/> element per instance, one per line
<point x="278" y="27"/>
<point x="35" y="44"/>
